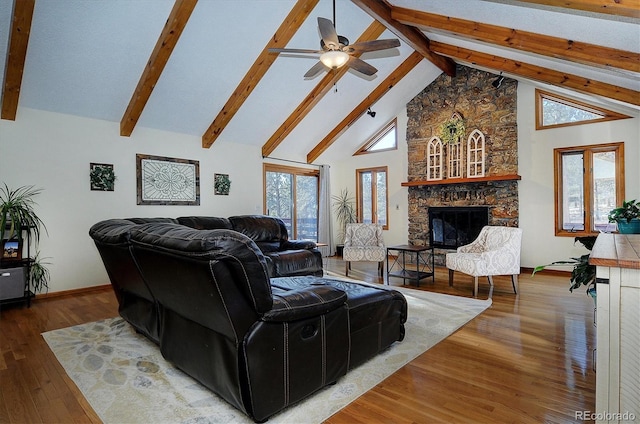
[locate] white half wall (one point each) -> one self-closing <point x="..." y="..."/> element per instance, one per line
<point x="53" y="151"/>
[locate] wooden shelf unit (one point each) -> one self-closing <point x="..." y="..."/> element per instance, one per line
<point x="508" y="177"/>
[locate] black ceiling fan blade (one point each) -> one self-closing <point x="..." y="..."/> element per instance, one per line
<point x="328" y="33"/>
<point x="304" y="51"/>
<point x="315" y="70"/>
<point x="374" y="45"/>
<point x="361" y="66"/>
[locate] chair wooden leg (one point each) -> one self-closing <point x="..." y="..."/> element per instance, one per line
<point x="346" y="268"/>
<point x="381" y="268"/>
<point x="475" y="286"/>
<point x="514" y="282"/>
<point x="451" y="277"/>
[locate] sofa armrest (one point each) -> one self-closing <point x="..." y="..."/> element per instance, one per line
<point x="303" y="303"/>
<point x="298" y="245"/>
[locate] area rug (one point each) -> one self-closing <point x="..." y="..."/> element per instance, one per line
<point x="125" y="379"/>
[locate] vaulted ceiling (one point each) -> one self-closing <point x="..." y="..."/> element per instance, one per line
<point x="204" y="67"/>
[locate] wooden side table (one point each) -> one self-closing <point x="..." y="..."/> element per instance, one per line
<point x="423" y="267"/>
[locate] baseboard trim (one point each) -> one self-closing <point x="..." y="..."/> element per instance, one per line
<point x="73" y="292"/>
<point x="556" y="272"/>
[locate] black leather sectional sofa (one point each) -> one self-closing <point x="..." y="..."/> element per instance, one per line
<point x="207" y="297"/>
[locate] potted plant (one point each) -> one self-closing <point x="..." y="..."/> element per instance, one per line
<point x="345" y="210"/>
<point x="627" y="217"/>
<point x="17" y="214"/>
<point x="17" y="211"/>
<point x="582" y="274"/>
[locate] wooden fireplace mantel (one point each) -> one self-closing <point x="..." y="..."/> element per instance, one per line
<point x="508" y="177"/>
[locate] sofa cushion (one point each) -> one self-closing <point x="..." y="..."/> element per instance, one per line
<point x="205" y="222"/>
<point x="296" y="262"/>
<point x="260" y="228"/>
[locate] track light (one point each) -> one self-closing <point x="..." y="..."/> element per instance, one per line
<point x="498" y="81"/>
<point x="371" y="113"/>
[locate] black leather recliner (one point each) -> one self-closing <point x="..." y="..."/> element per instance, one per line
<point x="136" y="303"/>
<point x="261" y="343"/>
<point x="284" y="257"/>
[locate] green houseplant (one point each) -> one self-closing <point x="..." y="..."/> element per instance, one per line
<point x="345" y="210"/>
<point x="627" y="217"/>
<point x="17" y="211"/>
<point x="17" y="214"/>
<point x="582" y="273"/>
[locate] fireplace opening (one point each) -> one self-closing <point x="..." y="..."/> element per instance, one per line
<point x="452" y="227"/>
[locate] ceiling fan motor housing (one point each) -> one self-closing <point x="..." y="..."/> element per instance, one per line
<point x="344" y="42"/>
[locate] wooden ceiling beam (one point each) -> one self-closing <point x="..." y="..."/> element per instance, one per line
<point x="628" y="8"/>
<point x="381" y="11"/>
<point x="324" y="86"/>
<point x="280" y="39"/>
<point x="16" y="56"/>
<point x="574" y="51"/>
<point x="386" y="85"/>
<point x="538" y="73"/>
<point x="167" y="41"/>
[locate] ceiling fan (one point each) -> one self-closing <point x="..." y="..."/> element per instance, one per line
<point x="336" y="52"/>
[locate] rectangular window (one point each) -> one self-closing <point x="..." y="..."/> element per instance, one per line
<point x="372" y="197"/>
<point x="589" y="183"/>
<point x="292" y="195"/>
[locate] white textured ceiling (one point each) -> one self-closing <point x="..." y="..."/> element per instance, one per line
<point x="85" y="58"/>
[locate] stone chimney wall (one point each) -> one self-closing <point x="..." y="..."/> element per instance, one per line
<point x="484" y="107"/>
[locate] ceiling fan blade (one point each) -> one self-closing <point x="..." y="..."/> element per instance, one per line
<point x="305" y="51"/>
<point x="361" y="66"/>
<point x="315" y="70"/>
<point x="370" y="46"/>
<point x="328" y="33"/>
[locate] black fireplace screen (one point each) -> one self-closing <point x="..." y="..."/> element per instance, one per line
<point x="452" y="227"/>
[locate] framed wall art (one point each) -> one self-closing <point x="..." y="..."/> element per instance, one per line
<point x="101" y="176"/>
<point x="167" y="181"/>
<point x="221" y="184"/>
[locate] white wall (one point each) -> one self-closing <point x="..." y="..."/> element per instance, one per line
<point x="535" y="164"/>
<point x="53" y="151"/>
<point x="343" y="175"/>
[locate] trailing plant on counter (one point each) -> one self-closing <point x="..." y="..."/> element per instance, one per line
<point x="625" y="213"/>
<point x="582" y="274"/>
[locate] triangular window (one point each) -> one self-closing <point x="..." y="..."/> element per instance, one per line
<point x="554" y="111"/>
<point x="385" y="139"/>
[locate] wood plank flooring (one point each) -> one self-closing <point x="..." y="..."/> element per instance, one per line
<point x="527" y="359"/>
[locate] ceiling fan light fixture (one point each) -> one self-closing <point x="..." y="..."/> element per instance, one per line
<point x="334" y="59"/>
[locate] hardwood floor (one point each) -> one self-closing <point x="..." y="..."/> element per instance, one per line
<point x="526" y="359"/>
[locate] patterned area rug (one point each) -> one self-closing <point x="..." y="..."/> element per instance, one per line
<point x="126" y="380"/>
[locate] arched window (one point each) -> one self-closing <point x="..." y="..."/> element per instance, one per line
<point x="434" y="159"/>
<point x="475" y="154"/>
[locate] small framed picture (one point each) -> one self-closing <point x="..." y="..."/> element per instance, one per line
<point x="221" y="184"/>
<point x="102" y="176"/>
<point x="11" y="250"/>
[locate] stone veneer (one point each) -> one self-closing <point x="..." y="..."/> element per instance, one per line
<point x="483" y="107"/>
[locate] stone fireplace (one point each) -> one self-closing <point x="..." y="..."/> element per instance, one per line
<point x="485" y="108"/>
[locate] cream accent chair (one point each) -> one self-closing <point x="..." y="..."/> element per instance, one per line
<point x="364" y="242"/>
<point x="496" y="251"/>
